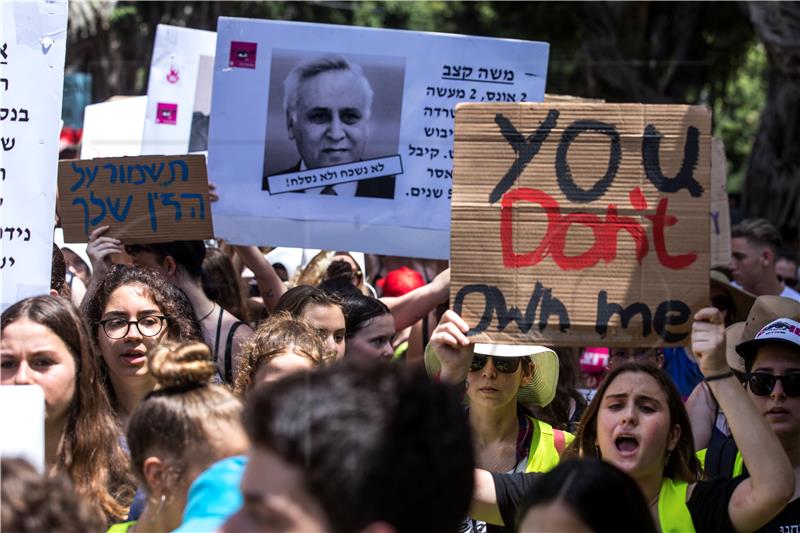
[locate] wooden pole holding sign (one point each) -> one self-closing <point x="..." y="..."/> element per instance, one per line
<point x="720" y="209"/>
<point x="144" y="199"/>
<point x="579" y="224"/>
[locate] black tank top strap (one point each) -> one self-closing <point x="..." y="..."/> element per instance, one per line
<point x="229" y="352"/>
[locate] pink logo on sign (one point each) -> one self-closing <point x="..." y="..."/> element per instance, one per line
<point x="243" y="55"/>
<point x="166" y="113"/>
<point x="173" y="75"/>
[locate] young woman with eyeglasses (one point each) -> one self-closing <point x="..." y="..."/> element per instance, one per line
<point x="45" y="343"/>
<point x="500" y="381"/>
<point x="129" y="312"/>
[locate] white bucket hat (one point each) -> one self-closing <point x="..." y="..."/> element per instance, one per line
<point x="542" y="388"/>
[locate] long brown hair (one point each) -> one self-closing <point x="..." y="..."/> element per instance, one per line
<point x="222" y="284"/>
<point x="89" y="452"/>
<point x="682" y="463"/>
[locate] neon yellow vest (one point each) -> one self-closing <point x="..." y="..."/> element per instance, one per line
<point x="738" y="462"/>
<point x="543" y="454"/>
<point x="673" y="514"/>
<point x="122" y="527"/>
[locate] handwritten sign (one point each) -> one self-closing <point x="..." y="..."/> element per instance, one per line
<point x="378" y="177"/>
<point x="581" y="224"/>
<point x="32" y="47"/>
<point x="720" y="210"/>
<point x="179" y="91"/>
<point x="144" y="199"/>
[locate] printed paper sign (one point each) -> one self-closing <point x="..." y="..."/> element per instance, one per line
<point x="144" y="199"/>
<point x="720" y="210"/>
<point x="102" y="134"/>
<point x="349" y="144"/>
<point x="32" y="47"/>
<point x="581" y="224"/>
<point x="179" y="91"/>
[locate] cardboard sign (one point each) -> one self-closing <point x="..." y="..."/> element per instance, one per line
<point x="371" y="169"/>
<point x="32" y="48"/>
<point x="144" y="199"/>
<point x="581" y="224"/>
<point x="179" y="91"/>
<point x="720" y="209"/>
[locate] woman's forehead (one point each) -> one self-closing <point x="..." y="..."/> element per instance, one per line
<point x="634" y="384"/>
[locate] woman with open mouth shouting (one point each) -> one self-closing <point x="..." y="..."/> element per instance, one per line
<point x="638" y="423"/>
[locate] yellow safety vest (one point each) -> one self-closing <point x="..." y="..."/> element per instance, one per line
<point x="545" y="452"/>
<point x="673" y="514"/>
<point x="738" y="462"/>
<point x="122" y="527"/>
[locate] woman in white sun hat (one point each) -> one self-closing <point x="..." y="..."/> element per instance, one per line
<point x="500" y="380"/>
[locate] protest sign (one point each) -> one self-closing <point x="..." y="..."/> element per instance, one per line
<point x="32" y="50"/>
<point x="144" y="199"/>
<point x="362" y="160"/>
<point x="179" y="91"/>
<point x="581" y="224"/>
<point x="720" y="210"/>
<point x="103" y="135"/>
<point x="24" y="412"/>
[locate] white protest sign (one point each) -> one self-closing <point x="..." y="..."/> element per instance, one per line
<point x="23" y="424"/>
<point x="179" y="91"/>
<point x="341" y="137"/>
<point x="32" y="50"/>
<point x="113" y="128"/>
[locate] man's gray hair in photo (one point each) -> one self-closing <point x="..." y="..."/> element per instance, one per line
<point x="318" y="65"/>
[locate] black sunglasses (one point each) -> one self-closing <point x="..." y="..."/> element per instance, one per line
<point x="506" y="365"/>
<point x="761" y="383"/>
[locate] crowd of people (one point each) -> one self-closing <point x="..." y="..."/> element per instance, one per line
<point x="181" y="395"/>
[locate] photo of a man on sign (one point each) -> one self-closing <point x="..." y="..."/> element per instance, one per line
<point x="328" y="104"/>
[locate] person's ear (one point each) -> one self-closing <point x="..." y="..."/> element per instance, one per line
<point x="673" y="437"/>
<point x="767" y="257"/>
<point x="170" y="266"/>
<point x="54" y="292"/>
<point x="155" y="475"/>
<point x="290" y="123"/>
<point x="528" y="372"/>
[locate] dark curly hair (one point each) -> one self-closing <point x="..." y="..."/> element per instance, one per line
<point x="182" y="324"/>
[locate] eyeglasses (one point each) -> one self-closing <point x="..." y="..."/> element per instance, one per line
<point x="761" y="384"/>
<point x="149" y="326"/>
<point x="505" y="365"/>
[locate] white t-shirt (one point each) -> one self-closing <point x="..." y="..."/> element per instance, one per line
<point x="787" y="292"/>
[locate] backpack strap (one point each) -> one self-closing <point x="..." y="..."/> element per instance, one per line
<point x="229" y="352"/>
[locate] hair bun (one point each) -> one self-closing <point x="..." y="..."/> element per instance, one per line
<point x="181" y="364"/>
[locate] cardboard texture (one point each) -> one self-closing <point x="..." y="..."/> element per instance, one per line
<point x="558" y="231"/>
<point x="720" y="210"/>
<point x="144" y="199"/>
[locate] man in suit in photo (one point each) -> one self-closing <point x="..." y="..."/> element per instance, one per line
<point x="328" y="102"/>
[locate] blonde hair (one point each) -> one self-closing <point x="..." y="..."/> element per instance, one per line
<point x="185" y="409"/>
<point x="279" y="334"/>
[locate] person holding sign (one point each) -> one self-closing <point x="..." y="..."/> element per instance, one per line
<point x="638" y="423"/>
<point x="45" y="342"/>
<point x="500" y="380"/>
<point x="328" y="102"/>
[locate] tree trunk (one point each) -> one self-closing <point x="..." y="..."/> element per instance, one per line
<point x="772" y="184"/>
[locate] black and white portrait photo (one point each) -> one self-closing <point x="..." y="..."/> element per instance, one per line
<point x="331" y="109"/>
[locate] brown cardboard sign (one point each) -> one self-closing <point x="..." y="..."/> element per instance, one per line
<point x="579" y="224"/>
<point x="720" y="210"/>
<point x="144" y="199"/>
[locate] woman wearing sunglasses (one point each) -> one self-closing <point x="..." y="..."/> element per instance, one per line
<point x="501" y="379"/>
<point x="637" y="422"/>
<point x="129" y="313"/>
